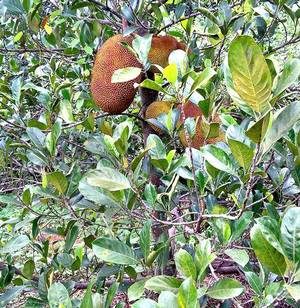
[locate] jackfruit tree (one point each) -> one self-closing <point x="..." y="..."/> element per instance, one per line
<point x="149" y="153"/>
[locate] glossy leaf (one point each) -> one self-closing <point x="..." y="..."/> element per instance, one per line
<point x="203" y="257"/>
<point x="289" y="75"/>
<point x="187" y="294"/>
<point x="125" y="74"/>
<point x="114" y="251"/>
<point x="225" y="288"/>
<point x="257" y="130"/>
<point x="167" y="299"/>
<point x="58" y="296"/>
<point x="250" y="73"/>
<point x="290" y="234"/>
<point x="241" y="152"/>
<point x="286" y="118"/>
<point x="108" y="178"/>
<point x="136" y="290"/>
<point x="15" y="244"/>
<point x="218" y="158"/>
<point x="185" y="264"/>
<point x="145" y="238"/>
<point x="269" y="257"/>
<point x="238" y="255"/>
<point x="163" y="283"/>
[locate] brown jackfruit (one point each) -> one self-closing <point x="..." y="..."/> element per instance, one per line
<point x="161" y="48"/>
<point x="111" y="97"/>
<point x="198" y="140"/>
<point x="155" y="109"/>
<point x="190" y="111"/>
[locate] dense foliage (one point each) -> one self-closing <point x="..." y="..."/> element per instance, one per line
<point x="97" y="210"/>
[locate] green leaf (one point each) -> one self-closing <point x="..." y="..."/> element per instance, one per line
<point x="36" y="136"/>
<point x="203" y="78"/>
<point x="238" y="255"/>
<point x="294" y="291"/>
<point x="125" y="74"/>
<point x="114" y="251"/>
<point x="150" y="84"/>
<point x="18" y="36"/>
<point x="28" y="269"/>
<point x="286" y="118"/>
<point x="180" y="59"/>
<point x="136" y="290"/>
<point x="268" y="256"/>
<point x="171" y="73"/>
<point x="52" y="137"/>
<point x="241" y="225"/>
<point x="14" y="7"/>
<point x="271" y="231"/>
<point x="290" y="234"/>
<point x="163" y="283"/>
<point x="58" y="296"/>
<point x="167" y="299"/>
<point x="257" y="131"/>
<point x="71" y="238"/>
<point x="187" y="294"/>
<point x="203" y="257"/>
<point x="145" y="303"/>
<point x="108" y="178"/>
<point x="66" y="111"/>
<point x="10" y="295"/>
<point x="58" y="180"/>
<point x="15" y="244"/>
<point x="142" y="46"/>
<point x="289" y="75"/>
<point x="250" y="73"/>
<point x="218" y="158"/>
<point x="208" y="14"/>
<point x="87" y="301"/>
<point x="145" y="238"/>
<point x="156" y="147"/>
<point x="225" y="288"/>
<point x="255" y="282"/>
<point x="111" y="294"/>
<point x="96" y="194"/>
<point x="241" y="152"/>
<point x="185" y="264"/>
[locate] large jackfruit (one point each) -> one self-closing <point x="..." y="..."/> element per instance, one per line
<point x="111" y="97"/>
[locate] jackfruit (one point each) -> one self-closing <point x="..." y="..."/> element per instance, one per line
<point x="183" y="47"/>
<point x="111" y="97"/>
<point x="198" y="140"/>
<point x="155" y="109"/>
<point x="161" y="47"/>
<point x="191" y="110"/>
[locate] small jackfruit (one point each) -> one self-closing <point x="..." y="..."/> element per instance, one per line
<point x="198" y="140"/>
<point x="161" y="47"/>
<point x="155" y="109"/>
<point x="111" y="97"/>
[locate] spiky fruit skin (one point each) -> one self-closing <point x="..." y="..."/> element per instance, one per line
<point x="111" y="97"/>
<point x="183" y="47"/>
<point x="155" y="109"/>
<point x="193" y="111"/>
<point x="161" y="47"/>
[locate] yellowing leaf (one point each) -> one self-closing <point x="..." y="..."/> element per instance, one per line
<point x="48" y="29"/>
<point x="250" y="73"/>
